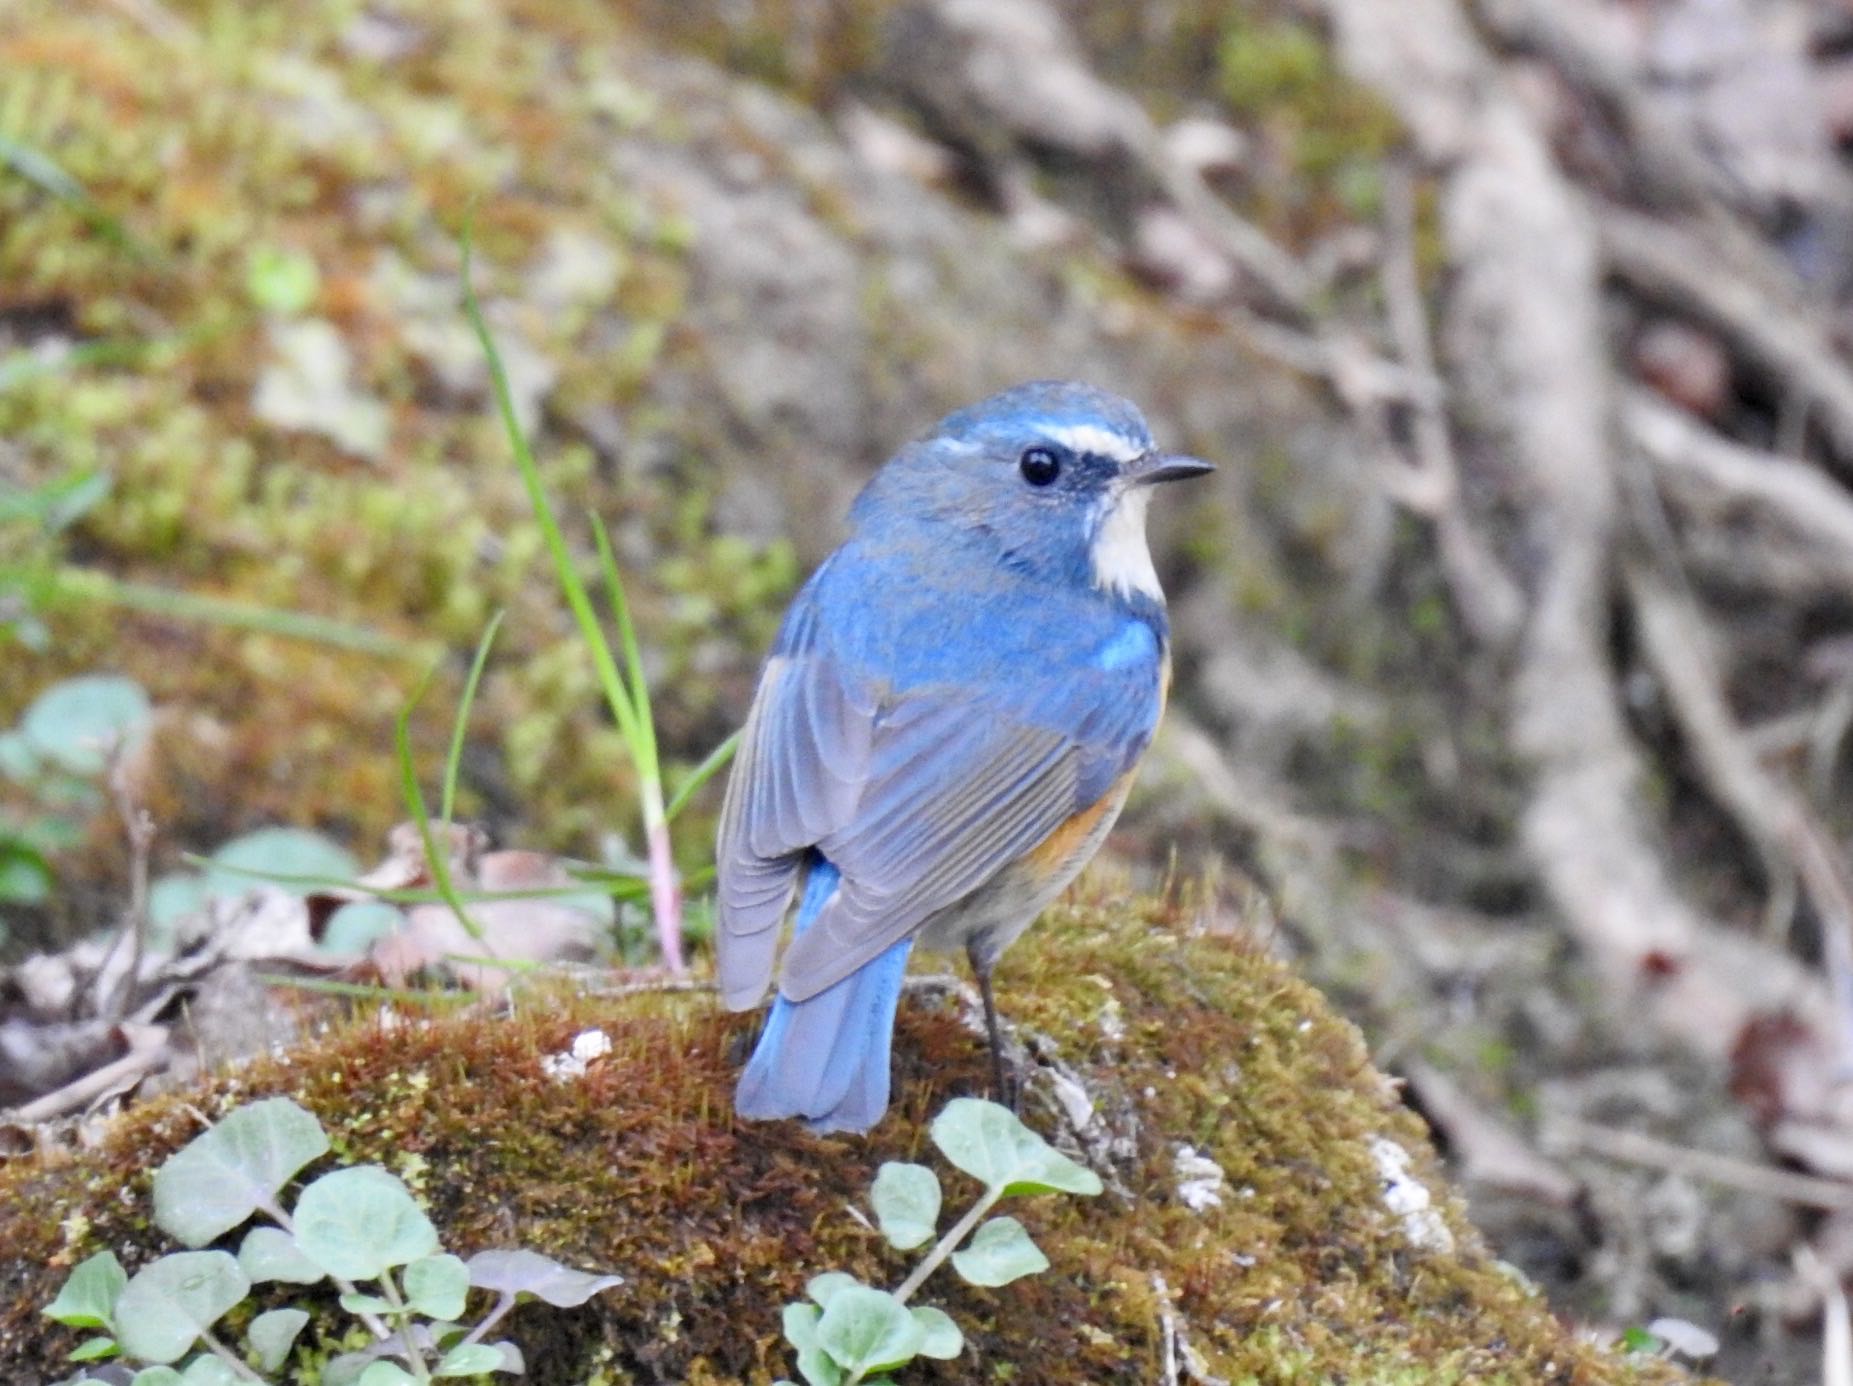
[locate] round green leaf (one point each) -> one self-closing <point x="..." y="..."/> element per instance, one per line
<point x="530" y="1273"/>
<point x="356" y="1303"/>
<point x="823" y="1288"/>
<point x="219" y="1179"/>
<point x="171" y="899"/>
<point x="990" y="1144"/>
<point x="386" y="1374"/>
<point x="95" y="1350"/>
<point x="358" y="925"/>
<point x="208" y="1371"/>
<point x="279" y="852"/>
<point x="284" y="282"/>
<point x="469" y="1359"/>
<point x="906" y="1199"/>
<point x="88" y="1297"/>
<point x="79" y="724"/>
<point x="17" y="760"/>
<point x="168" y="1303"/>
<point x="814" y="1364"/>
<point x="867" y="1330"/>
<point x="269" y="1253"/>
<point x="998" y="1253"/>
<point x="358" y="1222"/>
<point x="25" y="878"/>
<point x="436" y="1286"/>
<point x="942" y="1337"/>
<point x="273" y="1334"/>
<point x="345" y="1368"/>
<point x="157" y="1376"/>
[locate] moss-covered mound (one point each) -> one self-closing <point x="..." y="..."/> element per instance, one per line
<point x="1299" y="1269"/>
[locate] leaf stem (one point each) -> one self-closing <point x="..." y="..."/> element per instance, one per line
<point x="949" y="1243"/>
<point x="273" y="1210"/>
<point x="504" y="1302"/>
<point x="420" y="1368"/>
<point x="227" y="1356"/>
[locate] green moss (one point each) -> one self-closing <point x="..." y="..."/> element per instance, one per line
<point x="248" y="138"/>
<point x="1180" y="1037"/>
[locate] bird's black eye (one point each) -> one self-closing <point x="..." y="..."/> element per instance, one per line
<point x="1040" y="466"/>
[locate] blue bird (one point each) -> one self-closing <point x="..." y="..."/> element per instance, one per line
<point x="945" y="730"/>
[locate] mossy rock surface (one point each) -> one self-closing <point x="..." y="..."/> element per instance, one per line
<point x="1183" y="1041"/>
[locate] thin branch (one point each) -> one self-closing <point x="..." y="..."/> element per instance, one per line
<point x="948" y="1243"/>
<point x="1634" y="1148"/>
<point x="1487" y="598"/>
<point x="138" y="826"/>
<point x="1773" y="328"/>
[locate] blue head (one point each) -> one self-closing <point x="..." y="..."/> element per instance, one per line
<point x="1053" y="477"/>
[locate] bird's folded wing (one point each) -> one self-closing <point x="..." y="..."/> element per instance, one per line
<point x="956" y="792"/>
<point x="797" y="775"/>
<point x="918" y="798"/>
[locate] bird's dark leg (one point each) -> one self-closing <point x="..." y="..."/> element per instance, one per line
<point x="981" y="970"/>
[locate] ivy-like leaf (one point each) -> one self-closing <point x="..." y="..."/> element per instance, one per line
<point x="157" y="1376"/>
<point x="998" y="1253"/>
<point x="88" y="1297"/>
<point x="96" y="1350"/>
<point x="270" y="1253"/>
<point x="81" y="722"/>
<point x="273" y="1334"/>
<point x="220" y="1178"/>
<point x="357" y="1303"/>
<point x="208" y="1371"/>
<point x="823" y="1288"/>
<point x="530" y="1273"/>
<point x="469" y="1359"/>
<point x="990" y="1144"/>
<point x="386" y="1374"/>
<point x="436" y="1286"/>
<point x="906" y="1200"/>
<point x="814" y="1364"/>
<point x="867" y="1331"/>
<point x="168" y="1303"/>
<point x="941" y="1337"/>
<point x="356" y="1223"/>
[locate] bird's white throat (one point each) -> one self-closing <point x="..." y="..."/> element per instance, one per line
<point x="1122" y="559"/>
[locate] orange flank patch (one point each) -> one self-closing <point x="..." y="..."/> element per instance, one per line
<point x="1058" y="849"/>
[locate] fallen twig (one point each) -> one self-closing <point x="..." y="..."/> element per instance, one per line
<point x="1634" y="1148"/>
<point x="1774" y="329"/>
<point x="1487" y="598"/>
<point x="147" y="1051"/>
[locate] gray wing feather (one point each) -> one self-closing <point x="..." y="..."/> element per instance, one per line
<point x="796" y="776"/>
<point x="968" y="794"/>
<point x="918" y="800"/>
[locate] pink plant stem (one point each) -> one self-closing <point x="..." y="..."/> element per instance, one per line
<point x="666" y="897"/>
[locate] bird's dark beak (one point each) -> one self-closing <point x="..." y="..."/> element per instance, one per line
<point x="1155" y="467"/>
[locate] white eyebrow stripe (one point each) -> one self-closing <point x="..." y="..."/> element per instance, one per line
<point x="1095" y="439"/>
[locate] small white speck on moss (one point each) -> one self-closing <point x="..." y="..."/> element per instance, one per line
<point x="587" y="1046"/>
<point x="1078" y="1106"/>
<point x="1199" y="1179"/>
<point x="1409" y="1198"/>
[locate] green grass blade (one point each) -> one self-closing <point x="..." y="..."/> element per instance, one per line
<point x="619" y="887"/>
<point x="366" y="991"/>
<point x="701" y="774"/>
<point x="438" y="862"/>
<point x="622" y="707"/>
<point x="648" y="768"/>
<point x="46" y="174"/>
<point x="452" y="761"/>
<point x="90" y="585"/>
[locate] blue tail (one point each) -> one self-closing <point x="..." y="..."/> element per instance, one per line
<point x="826" y="1059"/>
